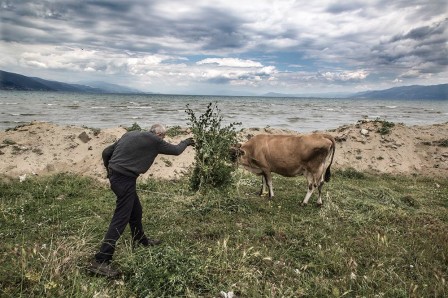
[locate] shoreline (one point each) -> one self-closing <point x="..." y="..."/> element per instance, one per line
<point x="43" y="148"/>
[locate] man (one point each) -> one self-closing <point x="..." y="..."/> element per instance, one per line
<point x="125" y="160"/>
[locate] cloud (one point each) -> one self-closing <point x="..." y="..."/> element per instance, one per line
<point x="235" y="71"/>
<point x="420" y="50"/>
<point x="240" y="43"/>
<point x="230" y="62"/>
<point x="344" y="76"/>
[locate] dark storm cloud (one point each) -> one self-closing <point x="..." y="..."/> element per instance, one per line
<point x="120" y="24"/>
<point x="423" y="33"/>
<point x="423" y="48"/>
<point x="220" y="29"/>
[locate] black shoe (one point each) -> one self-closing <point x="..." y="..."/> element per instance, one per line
<point x="146" y="242"/>
<point x="104" y="269"/>
<point x="154" y="242"/>
<point x="150" y="242"/>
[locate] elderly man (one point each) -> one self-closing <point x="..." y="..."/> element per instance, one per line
<point x="125" y="160"/>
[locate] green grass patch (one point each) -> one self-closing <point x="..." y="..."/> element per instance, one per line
<point x="379" y="236"/>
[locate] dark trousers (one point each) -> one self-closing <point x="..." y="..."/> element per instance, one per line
<point x="128" y="210"/>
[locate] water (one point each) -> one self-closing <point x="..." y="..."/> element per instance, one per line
<point x="299" y="114"/>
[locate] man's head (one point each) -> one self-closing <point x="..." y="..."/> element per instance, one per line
<point x="159" y="130"/>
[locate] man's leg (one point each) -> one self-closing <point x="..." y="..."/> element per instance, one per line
<point x="125" y="189"/>
<point x="135" y="222"/>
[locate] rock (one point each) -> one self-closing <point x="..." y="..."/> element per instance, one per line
<point x="364" y="132"/>
<point x="84" y="137"/>
<point x="22" y="177"/>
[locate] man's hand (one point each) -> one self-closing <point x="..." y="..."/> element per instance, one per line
<point x="189" y="141"/>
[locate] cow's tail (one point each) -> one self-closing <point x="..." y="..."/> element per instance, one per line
<point x="333" y="149"/>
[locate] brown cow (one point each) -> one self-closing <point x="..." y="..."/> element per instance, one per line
<point x="289" y="156"/>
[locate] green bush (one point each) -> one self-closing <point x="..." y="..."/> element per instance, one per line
<point x="386" y="126"/>
<point x="212" y="167"/>
<point x="175" y="131"/>
<point x="134" y="126"/>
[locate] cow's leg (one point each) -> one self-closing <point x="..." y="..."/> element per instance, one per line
<point x="268" y="178"/>
<point x="319" y="188"/>
<point x="311" y="187"/>
<point x="309" y="193"/>
<point x="263" y="184"/>
<point x="321" y="184"/>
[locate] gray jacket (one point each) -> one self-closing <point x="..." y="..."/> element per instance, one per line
<point x="135" y="152"/>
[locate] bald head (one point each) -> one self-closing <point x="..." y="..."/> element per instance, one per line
<point x="158" y="129"/>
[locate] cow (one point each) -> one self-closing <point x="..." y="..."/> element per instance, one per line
<point x="310" y="155"/>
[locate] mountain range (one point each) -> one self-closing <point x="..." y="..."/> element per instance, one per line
<point x="13" y="81"/>
<point x="433" y="92"/>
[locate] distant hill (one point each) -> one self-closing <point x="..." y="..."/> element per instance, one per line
<point x="13" y="81"/>
<point x="111" y="87"/>
<point x="435" y="92"/>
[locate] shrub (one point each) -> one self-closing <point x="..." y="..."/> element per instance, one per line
<point x="385" y="126"/>
<point x="212" y="166"/>
<point x="175" y="131"/>
<point x="134" y="126"/>
<point x="443" y="143"/>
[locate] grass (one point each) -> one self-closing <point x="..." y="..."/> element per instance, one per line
<point x="375" y="236"/>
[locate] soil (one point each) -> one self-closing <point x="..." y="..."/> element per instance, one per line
<point x="41" y="148"/>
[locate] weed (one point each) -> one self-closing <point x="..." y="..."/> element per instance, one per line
<point x="386" y="126"/>
<point x="9" y="142"/>
<point x="443" y="143"/>
<point x="212" y="166"/>
<point x="167" y="162"/>
<point x="134" y="126"/>
<point x="95" y="131"/>
<point x="175" y="131"/>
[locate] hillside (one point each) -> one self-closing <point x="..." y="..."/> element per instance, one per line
<point x="435" y="92"/>
<point x="13" y="81"/>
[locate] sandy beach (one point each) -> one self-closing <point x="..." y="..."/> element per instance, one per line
<point x="41" y="148"/>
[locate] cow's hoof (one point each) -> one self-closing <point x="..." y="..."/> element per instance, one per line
<point x="320" y="205"/>
<point x="304" y="204"/>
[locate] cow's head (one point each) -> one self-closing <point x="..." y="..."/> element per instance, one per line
<point x="236" y="152"/>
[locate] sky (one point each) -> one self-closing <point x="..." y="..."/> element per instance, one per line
<point x="228" y="47"/>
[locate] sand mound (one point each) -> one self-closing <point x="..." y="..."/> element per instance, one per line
<point x="41" y="148"/>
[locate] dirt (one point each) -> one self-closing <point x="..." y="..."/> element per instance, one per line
<point x="42" y="148"/>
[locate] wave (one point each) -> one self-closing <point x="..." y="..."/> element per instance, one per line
<point x="139" y="107"/>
